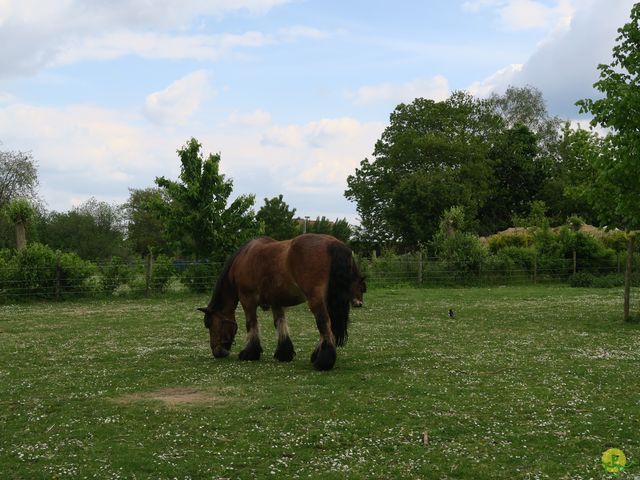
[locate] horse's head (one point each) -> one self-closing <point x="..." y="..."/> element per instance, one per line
<point x="358" y="288"/>
<point x="222" y="331"/>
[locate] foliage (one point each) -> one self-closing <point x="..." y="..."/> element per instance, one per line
<point x="200" y="277"/>
<point x="199" y="219"/>
<point x="34" y="272"/>
<point x="144" y="214"/>
<point x="616" y="188"/>
<point x="20" y="210"/>
<point x="115" y="272"/>
<point x="277" y="219"/>
<point x="321" y="225"/>
<point x="162" y="272"/>
<point x="18" y="176"/>
<point x="518" y="175"/>
<point x="94" y="230"/>
<point x="342" y="230"/>
<point x="500" y="241"/>
<point x="526" y="107"/>
<point x="460" y="250"/>
<point x="432" y="156"/>
<point x="74" y="273"/>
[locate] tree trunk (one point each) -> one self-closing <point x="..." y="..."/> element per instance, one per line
<point x="21" y="236"/>
<point x="627" y="276"/>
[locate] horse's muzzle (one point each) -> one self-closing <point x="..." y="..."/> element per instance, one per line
<point x="356" y="303"/>
<point x="220" y="352"/>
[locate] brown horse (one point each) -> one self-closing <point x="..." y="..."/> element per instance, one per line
<point x="266" y="273"/>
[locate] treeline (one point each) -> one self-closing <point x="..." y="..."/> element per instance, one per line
<point x="492" y="157"/>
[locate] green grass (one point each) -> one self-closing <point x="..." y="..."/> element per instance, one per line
<point x="525" y="382"/>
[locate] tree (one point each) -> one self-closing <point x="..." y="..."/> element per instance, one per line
<point x="526" y="106"/>
<point x="198" y="218"/>
<point x="517" y="178"/>
<point x="432" y="156"/>
<point x="320" y="225"/>
<point x="616" y="188"/>
<point x="342" y="230"/>
<point x="145" y="227"/>
<point x="93" y="230"/>
<point x="20" y="212"/>
<point x="277" y="219"/>
<point x="18" y="176"/>
<point x="571" y="175"/>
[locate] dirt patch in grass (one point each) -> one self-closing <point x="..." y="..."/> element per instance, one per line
<point x="178" y="396"/>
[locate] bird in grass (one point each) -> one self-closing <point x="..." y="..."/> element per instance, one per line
<point x="451" y="314"/>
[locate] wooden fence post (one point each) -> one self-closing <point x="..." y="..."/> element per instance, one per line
<point x="58" y="278"/>
<point x="627" y="275"/>
<point x="420" y="268"/>
<point x="148" y="273"/>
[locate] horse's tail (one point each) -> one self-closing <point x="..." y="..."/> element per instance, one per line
<point x="339" y="290"/>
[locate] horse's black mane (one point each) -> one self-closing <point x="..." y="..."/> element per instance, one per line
<point x="215" y="304"/>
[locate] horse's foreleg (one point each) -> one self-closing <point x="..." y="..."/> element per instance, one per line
<point x="252" y="349"/>
<point x="324" y="356"/>
<point x="284" y="351"/>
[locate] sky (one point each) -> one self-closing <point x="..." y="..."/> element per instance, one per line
<point x="293" y="94"/>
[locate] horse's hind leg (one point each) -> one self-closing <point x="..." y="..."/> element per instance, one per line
<point x="252" y="349"/>
<point x="324" y="356"/>
<point x="284" y="351"/>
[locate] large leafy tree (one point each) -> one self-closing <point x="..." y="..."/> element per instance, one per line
<point x="517" y="176"/>
<point x="145" y="227"/>
<point x="571" y="175"/>
<point x="432" y="156"/>
<point x="277" y="218"/>
<point x="616" y="187"/>
<point x="199" y="218"/>
<point x="93" y="230"/>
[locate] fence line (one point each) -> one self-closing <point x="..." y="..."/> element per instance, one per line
<point x="151" y="276"/>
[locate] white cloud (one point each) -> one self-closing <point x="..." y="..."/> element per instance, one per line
<point x="526" y="14"/>
<point x="564" y="65"/>
<point x="42" y="34"/>
<point x="87" y="151"/>
<point x="257" y="118"/>
<point x="176" y="103"/>
<point x="321" y="154"/>
<point x="436" y="88"/>
<point x="155" y="46"/>
<point x="495" y="82"/>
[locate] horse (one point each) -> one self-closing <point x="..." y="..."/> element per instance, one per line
<point x="274" y="275"/>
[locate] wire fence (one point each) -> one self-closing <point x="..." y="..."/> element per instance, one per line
<point x="58" y="280"/>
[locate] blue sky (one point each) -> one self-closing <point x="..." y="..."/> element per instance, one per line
<point x="292" y="93"/>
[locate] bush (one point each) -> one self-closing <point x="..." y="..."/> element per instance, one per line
<point x="74" y="272"/>
<point x="115" y="273"/>
<point x="162" y="272"/>
<point x="32" y="272"/>
<point x="462" y="253"/>
<point x="581" y="279"/>
<point x="505" y="240"/>
<point x="199" y="277"/>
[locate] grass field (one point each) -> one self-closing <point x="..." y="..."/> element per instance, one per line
<point x="525" y="382"/>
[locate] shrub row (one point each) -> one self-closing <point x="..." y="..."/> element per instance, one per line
<point x="41" y="272"/>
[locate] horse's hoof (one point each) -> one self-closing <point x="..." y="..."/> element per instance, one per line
<point x="284" y="351"/>
<point x="324" y="357"/>
<point x="251" y="351"/>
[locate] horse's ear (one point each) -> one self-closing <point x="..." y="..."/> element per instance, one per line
<point x="204" y="309"/>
